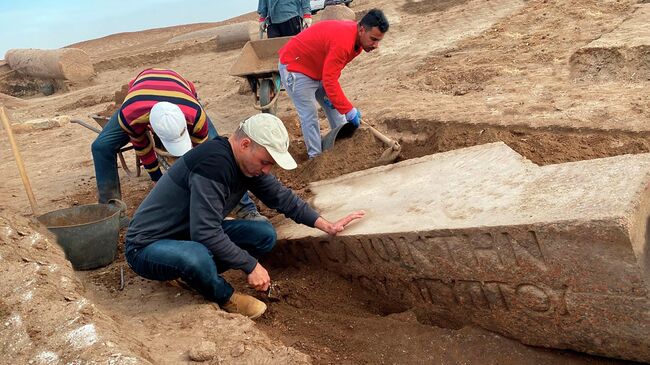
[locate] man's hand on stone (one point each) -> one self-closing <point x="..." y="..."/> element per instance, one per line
<point x="259" y="278"/>
<point x="338" y="226"/>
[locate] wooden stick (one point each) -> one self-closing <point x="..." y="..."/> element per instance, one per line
<point x="19" y="161"/>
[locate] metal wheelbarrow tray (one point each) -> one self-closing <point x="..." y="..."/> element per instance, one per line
<point x="258" y="63"/>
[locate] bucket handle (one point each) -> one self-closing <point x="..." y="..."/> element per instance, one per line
<point x="120" y="204"/>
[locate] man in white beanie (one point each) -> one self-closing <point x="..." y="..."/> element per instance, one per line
<point x="154" y="95"/>
<point x="180" y="231"/>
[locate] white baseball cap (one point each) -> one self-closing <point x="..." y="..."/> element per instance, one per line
<point x="267" y="130"/>
<point x="168" y="122"/>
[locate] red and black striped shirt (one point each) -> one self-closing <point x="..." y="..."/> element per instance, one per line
<point x="148" y="88"/>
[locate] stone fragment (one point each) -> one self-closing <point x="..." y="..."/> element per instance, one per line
<point x="40" y="124"/>
<point x="62" y="64"/>
<point x="237" y="350"/>
<point x="337" y="12"/>
<point x="554" y="256"/>
<point x="227" y="37"/>
<point x="204" y="351"/>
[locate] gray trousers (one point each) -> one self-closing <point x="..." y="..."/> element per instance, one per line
<point x="304" y="93"/>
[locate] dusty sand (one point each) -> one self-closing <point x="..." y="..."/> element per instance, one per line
<point x="448" y="75"/>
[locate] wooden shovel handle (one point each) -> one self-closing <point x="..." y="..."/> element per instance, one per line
<point x="19" y="161"/>
<point x="382" y="137"/>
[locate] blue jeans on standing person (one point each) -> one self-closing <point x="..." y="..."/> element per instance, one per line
<point x="105" y="148"/>
<point x="304" y="93"/>
<point x="194" y="264"/>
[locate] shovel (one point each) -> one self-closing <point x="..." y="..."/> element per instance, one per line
<point x="392" y="152"/>
<point x="273" y="293"/>
<point x="346" y="130"/>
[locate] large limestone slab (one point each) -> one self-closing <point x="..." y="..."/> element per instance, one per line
<point x="227" y="37"/>
<point x="621" y="54"/>
<point x="62" y="64"/>
<point x="555" y="256"/>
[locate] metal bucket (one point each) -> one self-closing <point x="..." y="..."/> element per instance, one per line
<point x="345" y="130"/>
<point x="88" y="234"/>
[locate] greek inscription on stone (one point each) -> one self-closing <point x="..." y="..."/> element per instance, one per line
<point x="383" y="249"/>
<point x="490" y="296"/>
<point x="526" y="248"/>
<point x="470" y="294"/>
<point x="487" y="250"/>
<point x="355" y="252"/>
<point x="327" y="251"/>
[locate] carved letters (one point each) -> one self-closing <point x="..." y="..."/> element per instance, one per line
<point x="501" y="250"/>
<point x="368" y="261"/>
<point x="476" y="295"/>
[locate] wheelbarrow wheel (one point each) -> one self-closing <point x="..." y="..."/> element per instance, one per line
<point x="267" y="92"/>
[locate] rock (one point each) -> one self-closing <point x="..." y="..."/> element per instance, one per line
<point x="204" y="351"/>
<point x="554" y="256"/>
<point x="337" y="12"/>
<point x="62" y="64"/>
<point x="40" y="124"/>
<point x="227" y="37"/>
<point x="237" y="350"/>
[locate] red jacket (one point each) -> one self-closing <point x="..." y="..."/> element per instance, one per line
<point x="321" y="52"/>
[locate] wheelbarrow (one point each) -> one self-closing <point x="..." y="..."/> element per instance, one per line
<point x="258" y="64"/>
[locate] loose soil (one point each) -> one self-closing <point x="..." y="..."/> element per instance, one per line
<point x="449" y="75"/>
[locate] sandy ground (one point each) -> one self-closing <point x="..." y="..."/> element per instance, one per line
<point x="449" y="74"/>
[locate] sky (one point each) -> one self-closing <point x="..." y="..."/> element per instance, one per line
<point x="52" y="24"/>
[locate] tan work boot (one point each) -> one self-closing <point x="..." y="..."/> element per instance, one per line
<point x="244" y="305"/>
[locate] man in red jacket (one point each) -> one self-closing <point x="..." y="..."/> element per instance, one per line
<point x="310" y="66"/>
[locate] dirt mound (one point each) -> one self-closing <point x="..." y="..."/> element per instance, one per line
<point x="153" y="57"/>
<point x="125" y="45"/>
<point x="46" y="316"/>
<point x="357" y="152"/>
<point x="430" y="6"/>
<point x="49" y="317"/>
<point x="611" y="63"/>
<point x="436" y="77"/>
<point x="85" y="101"/>
<point x="118" y="98"/>
<point x="541" y="146"/>
<point x="623" y="53"/>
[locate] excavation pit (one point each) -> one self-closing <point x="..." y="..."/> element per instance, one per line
<point x="331" y="313"/>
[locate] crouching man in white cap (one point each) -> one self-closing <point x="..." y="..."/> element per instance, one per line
<point x="180" y="231"/>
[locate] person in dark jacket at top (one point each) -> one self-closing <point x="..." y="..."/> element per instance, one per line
<point x="180" y="231"/>
<point x="310" y="66"/>
<point x="283" y="18"/>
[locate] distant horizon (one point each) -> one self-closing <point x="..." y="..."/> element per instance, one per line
<point x="47" y="24"/>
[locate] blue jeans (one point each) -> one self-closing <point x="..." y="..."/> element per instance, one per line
<point x="193" y="263"/>
<point x="105" y="148"/>
<point x="304" y="93"/>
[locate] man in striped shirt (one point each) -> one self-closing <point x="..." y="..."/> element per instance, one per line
<point x="131" y="124"/>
